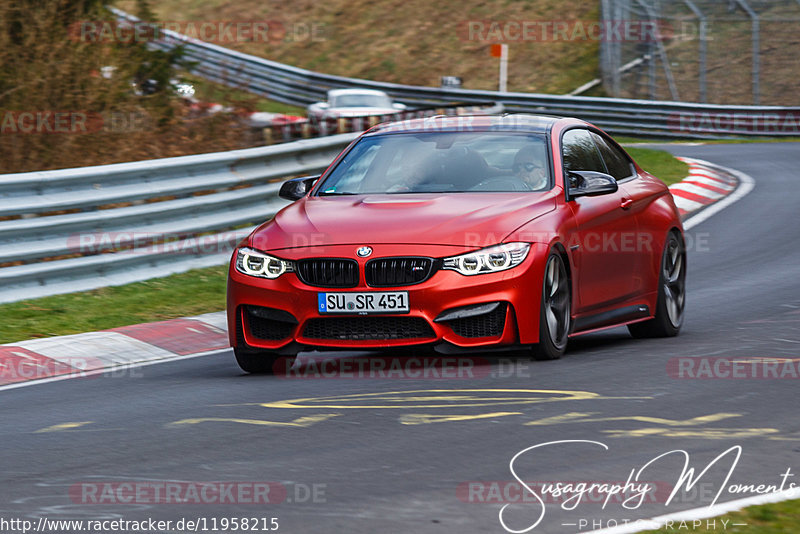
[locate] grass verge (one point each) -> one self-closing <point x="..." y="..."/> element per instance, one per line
<point x="659" y="163"/>
<point x="777" y="518"/>
<point x="191" y="293"/>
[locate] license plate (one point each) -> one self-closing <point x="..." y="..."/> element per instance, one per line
<point x="372" y="302"/>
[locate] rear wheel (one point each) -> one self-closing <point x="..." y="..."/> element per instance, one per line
<point x="554" y="315"/>
<point x="671" y="293"/>
<point x="262" y="362"/>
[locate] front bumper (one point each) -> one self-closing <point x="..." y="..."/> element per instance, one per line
<point x="282" y="314"/>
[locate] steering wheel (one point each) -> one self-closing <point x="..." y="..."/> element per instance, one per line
<point x="502" y="183"/>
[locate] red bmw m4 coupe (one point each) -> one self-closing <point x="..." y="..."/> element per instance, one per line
<point x="458" y="233"/>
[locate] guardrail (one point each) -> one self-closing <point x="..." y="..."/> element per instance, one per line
<point x="293" y="85"/>
<point x="78" y="229"/>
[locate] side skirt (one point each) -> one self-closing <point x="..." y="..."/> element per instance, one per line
<point x="608" y="319"/>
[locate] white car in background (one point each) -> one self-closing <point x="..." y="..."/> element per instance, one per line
<point x="353" y="103"/>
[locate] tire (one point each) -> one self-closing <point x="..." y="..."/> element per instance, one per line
<point x="554" y="311"/>
<point x="262" y="362"/>
<point x="671" y="293"/>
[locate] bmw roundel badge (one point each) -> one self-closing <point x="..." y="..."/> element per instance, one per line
<point x="363" y="252"/>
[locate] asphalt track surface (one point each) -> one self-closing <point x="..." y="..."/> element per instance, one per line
<point x="393" y="459"/>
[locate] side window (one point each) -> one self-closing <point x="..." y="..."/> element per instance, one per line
<point x="618" y="164"/>
<point x="579" y="152"/>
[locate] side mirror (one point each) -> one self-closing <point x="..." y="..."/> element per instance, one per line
<point x="590" y="183"/>
<point x="297" y="188"/>
<point x="399" y="107"/>
<point x="323" y="105"/>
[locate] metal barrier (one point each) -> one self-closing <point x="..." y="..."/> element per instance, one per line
<point x="293" y="85"/>
<point x="78" y="229"/>
<point x="305" y="128"/>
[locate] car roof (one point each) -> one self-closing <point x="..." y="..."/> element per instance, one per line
<point x="340" y="92"/>
<point x="504" y="123"/>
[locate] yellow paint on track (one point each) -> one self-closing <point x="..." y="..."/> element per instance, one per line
<point x="577" y="417"/>
<point x="437" y="398"/>
<point x="699" y="433"/>
<point x="422" y="418"/>
<point x="300" y="422"/>
<point x="63" y="426"/>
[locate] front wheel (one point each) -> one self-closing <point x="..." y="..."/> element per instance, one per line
<point x="671" y="293"/>
<point x="262" y="362"/>
<point x="554" y="313"/>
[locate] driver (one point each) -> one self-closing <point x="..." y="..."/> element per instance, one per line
<point x="528" y="168"/>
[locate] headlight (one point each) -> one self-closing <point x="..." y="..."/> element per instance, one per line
<point x="254" y="263"/>
<point x="489" y="260"/>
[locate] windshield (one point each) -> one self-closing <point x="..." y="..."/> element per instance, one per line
<point x="361" y="101"/>
<point x="441" y="162"/>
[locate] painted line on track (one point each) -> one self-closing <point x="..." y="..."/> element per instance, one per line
<point x="746" y="184"/>
<point x="706" y="184"/>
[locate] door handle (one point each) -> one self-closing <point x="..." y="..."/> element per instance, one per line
<point x="626" y="203"/>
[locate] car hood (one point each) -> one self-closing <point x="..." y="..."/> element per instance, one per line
<point x="463" y="219"/>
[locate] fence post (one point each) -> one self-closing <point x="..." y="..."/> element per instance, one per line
<point x="755" y="30"/>
<point x="662" y="52"/>
<point x="701" y="67"/>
